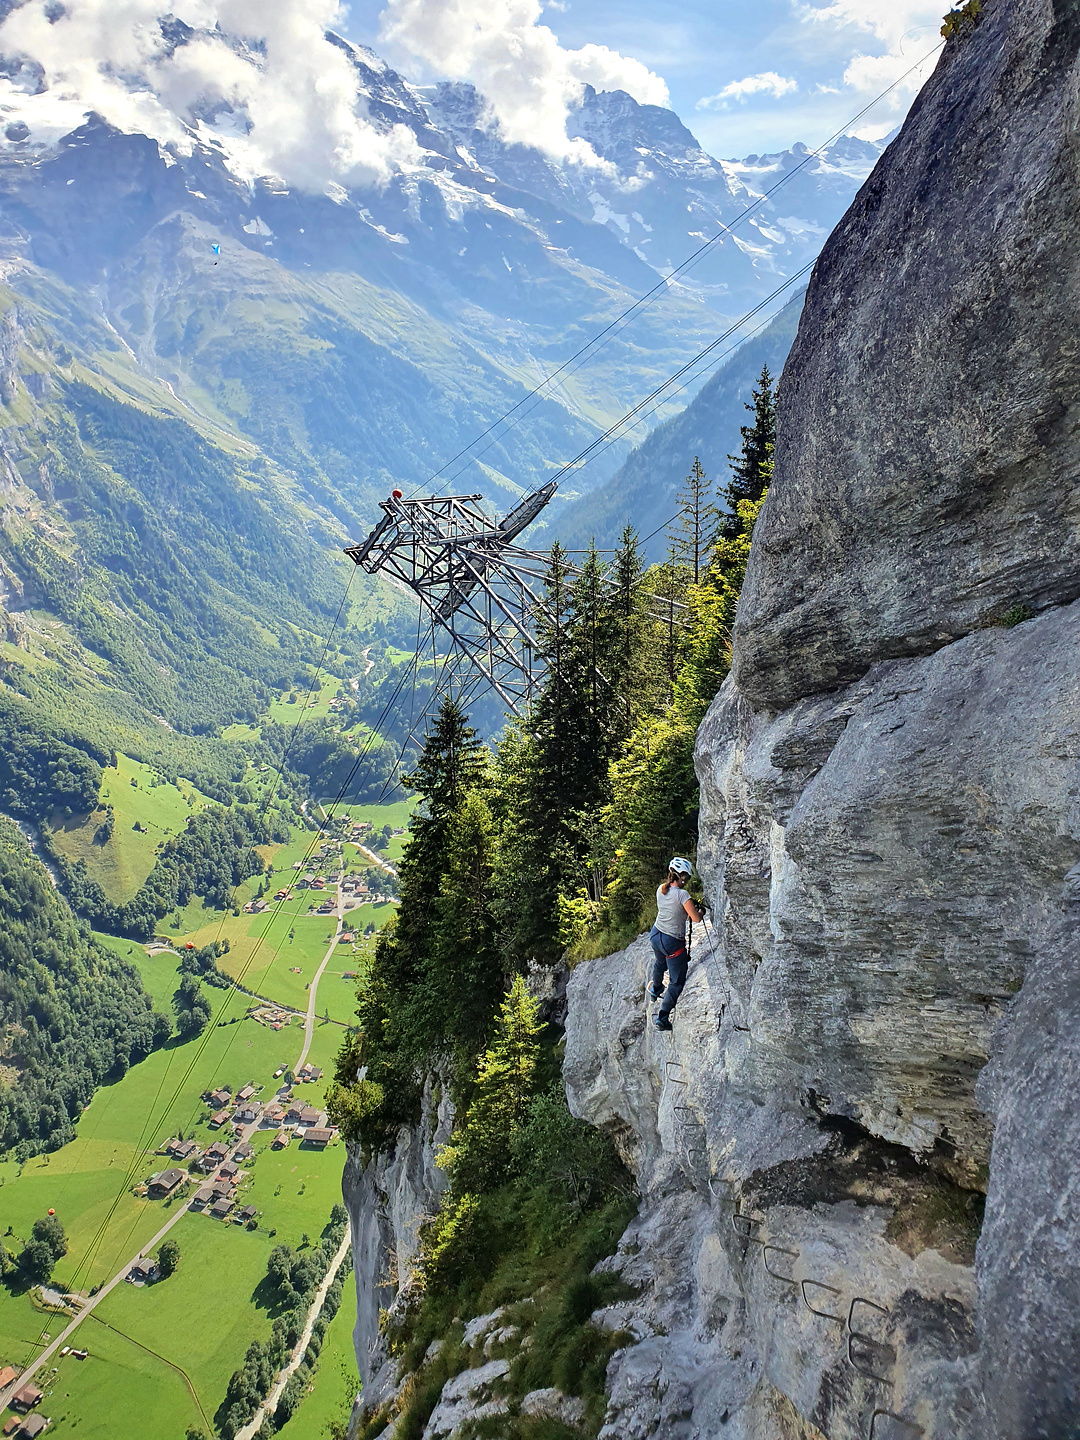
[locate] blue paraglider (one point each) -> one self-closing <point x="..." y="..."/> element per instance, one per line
<point x="216" y="249"/>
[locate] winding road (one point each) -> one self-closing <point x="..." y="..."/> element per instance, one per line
<point x="91" y="1303"/>
<point x="313" y="992"/>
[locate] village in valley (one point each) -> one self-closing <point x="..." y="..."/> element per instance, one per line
<point x="243" y="1151"/>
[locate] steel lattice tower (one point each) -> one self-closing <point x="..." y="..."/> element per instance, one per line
<point x="470" y="578"/>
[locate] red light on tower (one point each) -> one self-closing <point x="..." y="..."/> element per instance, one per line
<point x="396" y="494"/>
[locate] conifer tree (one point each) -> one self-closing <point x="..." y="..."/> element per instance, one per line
<point x="479" y="1155"/>
<point x="627" y="663"/>
<point x="463" y="967"/>
<point x="451" y="763"/>
<point x="751" y="469"/>
<point x="698" y="522"/>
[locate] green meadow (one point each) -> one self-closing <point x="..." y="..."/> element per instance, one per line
<point x="161" y="1356"/>
<point x="139" y="797"/>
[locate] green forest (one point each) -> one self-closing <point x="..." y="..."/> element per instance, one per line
<point x="548" y="844"/>
<point x="74" y="1013"/>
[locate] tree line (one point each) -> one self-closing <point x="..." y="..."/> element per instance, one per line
<point x="554" y="839"/>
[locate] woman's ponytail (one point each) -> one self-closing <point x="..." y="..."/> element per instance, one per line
<point x="672" y="879"/>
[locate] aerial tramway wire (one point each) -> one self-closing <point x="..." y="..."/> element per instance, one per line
<point x="621" y="320"/>
<point x="139" y="1151"/>
<point x="212" y="1024"/>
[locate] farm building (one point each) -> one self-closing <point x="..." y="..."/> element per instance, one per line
<point x="164" y="1183"/>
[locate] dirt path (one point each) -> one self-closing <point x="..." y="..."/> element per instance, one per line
<point x="313" y="993"/>
<point x="269" y="1405"/>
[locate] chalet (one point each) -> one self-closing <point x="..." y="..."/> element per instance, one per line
<point x="7" y="1374"/>
<point x="229" y="1170"/>
<point x="26" y="1398"/>
<point x="218" y="1098"/>
<point x="318" y="1135"/>
<point x="310" y="1116"/>
<point x="247" y="1114"/>
<point x="215" y="1154"/>
<point x="182" y="1149"/>
<point x="247" y="1213"/>
<point x="218" y="1119"/>
<point x="10" y="1426"/>
<point x="314" y="1072"/>
<point x="244" y="1151"/>
<point x="202" y="1196"/>
<point x="295" y="1110"/>
<point x="222" y="1189"/>
<point x="280" y="1140"/>
<point x="142" y="1272"/>
<point x="246" y="1093"/>
<point x="273" y="1115"/>
<point x="33" y="1425"/>
<point x="221" y="1208"/>
<point x="164" y="1183"/>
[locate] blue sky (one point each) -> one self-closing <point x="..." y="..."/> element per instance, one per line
<point x="743" y="76"/>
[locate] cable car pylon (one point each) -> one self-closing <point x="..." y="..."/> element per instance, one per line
<point x="485" y="592"/>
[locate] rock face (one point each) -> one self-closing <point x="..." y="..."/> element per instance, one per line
<point x="884" y="1031"/>
<point x="387" y="1198"/>
<point x="889" y="837"/>
<point x="930" y="408"/>
<point x="746" y="1194"/>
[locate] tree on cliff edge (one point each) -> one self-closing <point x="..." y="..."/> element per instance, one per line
<point x="751" y="469"/>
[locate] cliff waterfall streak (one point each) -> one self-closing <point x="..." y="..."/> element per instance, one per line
<point x="388" y="1197"/>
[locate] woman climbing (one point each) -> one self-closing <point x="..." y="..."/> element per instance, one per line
<point x="668" y="937"/>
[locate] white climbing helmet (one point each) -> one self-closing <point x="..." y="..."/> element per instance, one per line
<point x="680" y="866"/>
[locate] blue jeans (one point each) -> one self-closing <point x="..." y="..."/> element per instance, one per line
<point x="672" y="957"/>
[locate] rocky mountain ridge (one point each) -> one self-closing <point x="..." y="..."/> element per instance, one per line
<point x="362" y="337"/>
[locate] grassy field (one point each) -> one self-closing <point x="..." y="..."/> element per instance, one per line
<point x="324" y="1410"/>
<point x="122" y="864"/>
<point x="202" y="1318"/>
<point x="318" y="707"/>
<point x="151" y="1348"/>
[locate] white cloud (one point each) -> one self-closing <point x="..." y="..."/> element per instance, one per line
<point x="767" y="83"/>
<point x="259" y="74"/>
<point x="905" y="31"/>
<point x="527" y="78"/>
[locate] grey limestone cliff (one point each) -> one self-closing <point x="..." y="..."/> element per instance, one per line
<point x="859" y="1152"/>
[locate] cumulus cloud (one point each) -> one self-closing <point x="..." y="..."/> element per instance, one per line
<point x="529" y="81"/>
<point x="904" y="30"/>
<point x="767" y="83"/>
<point x="258" y="75"/>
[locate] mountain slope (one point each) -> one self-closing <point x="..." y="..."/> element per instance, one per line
<point x="644" y="490"/>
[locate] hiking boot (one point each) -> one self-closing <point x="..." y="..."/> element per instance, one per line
<point x="652" y="991"/>
<point x="662" y="1022"/>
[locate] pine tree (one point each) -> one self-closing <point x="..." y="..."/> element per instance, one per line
<point x="627" y="662"/>
<point x="451" y="763"/>
<point x="751" y="469"/>
<point x="698" y="522"/>
<point x="463" y="965"/>
<point x="478" y="1157"/>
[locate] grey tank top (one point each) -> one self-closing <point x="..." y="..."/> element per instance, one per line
<point x="670" y="915"/>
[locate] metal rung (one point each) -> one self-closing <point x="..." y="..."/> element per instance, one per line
<point x="779" y="1249"/>
<point x="886" y="1350"/>
<point x="825" y="1314"/>
<point x="908" y="1425"/>
<point x="745" y="1234"/>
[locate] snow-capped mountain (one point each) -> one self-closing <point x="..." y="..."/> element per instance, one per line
<point x="360" y="335"/>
